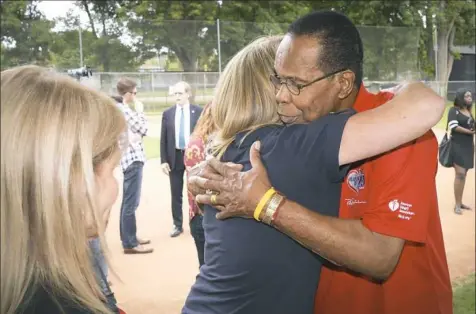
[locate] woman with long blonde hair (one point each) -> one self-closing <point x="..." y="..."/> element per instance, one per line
<point x="60" y="144"/>
<point x="249" y="266"/>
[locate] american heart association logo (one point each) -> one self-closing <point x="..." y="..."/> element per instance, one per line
<point x="356" y="180"/>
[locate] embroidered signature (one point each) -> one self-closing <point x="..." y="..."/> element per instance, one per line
<point x="353" y="201"/>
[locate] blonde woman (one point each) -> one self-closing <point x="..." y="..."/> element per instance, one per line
<point x="60" y="144"/>
<point x="249" y="266"/>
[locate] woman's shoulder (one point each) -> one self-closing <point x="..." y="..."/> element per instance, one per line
<point x="297" y="134"/>
<point x="238" y="151"/>
<point x="39" y="300"/>
<point x="453" y="110"/>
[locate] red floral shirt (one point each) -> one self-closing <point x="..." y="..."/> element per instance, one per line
<point x="194" y="153"/>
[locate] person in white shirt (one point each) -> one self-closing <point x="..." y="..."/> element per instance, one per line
<point x="178" y="123"/>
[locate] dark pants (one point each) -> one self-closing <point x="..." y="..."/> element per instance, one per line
<point x="176" y="187"/>
<point x="130" y="202"/>
<point x="196" y="228"/>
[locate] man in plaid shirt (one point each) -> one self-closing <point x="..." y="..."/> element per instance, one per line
<point x="132" y="164"/>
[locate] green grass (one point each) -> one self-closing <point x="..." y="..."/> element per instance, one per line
<point x="444" y="119"/>
<point x="165" y="93"/>
<point x="154" y="107"/>
<point x="152" y="147"/>
<point x="464" y="296"/>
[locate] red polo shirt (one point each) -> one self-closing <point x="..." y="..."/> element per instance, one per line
<point x="395" y="195"/>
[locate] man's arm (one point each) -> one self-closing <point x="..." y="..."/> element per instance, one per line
<point x="163" y="139"/>
<point x="401" y="200"/>
<point x="395" y="123"/>
<point x="345" y="242"/>
<point x="136" y="121"/>
<point x="370" y="246"/>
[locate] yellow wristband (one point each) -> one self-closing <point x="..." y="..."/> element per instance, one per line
<point x="263" y="202"/>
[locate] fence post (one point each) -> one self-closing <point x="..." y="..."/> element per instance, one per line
<point x="152" y="81"/>
<point x="218" y="44"/>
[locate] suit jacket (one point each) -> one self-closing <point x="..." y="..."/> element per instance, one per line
<point x="167" y="137"/>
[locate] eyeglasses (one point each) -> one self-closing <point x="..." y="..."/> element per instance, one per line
<point x="293" y="87"/>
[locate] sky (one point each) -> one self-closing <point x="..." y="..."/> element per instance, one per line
<point x="54" y="9"/>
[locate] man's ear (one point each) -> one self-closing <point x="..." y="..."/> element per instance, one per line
<point x="346" y="82"/>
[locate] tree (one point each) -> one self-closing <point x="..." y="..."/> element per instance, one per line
<point x="189" y="29"/>
<point x="25" y="34"/>
<point x="451" y="17"/>
<point x="182" y="26"/>
<point x="106" y="26"/>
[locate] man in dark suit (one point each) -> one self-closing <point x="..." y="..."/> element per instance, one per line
<point x="178" y="123"/>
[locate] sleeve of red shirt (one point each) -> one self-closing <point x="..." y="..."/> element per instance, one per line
<point x="405" y="193"/>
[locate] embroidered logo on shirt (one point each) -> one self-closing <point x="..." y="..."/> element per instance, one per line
<point x="404" y="209"/>
<point x="394" y="205"/>
<point x="353" y="201"/>
<point x="356" y="180"/>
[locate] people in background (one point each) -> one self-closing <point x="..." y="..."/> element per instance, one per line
<point x="132" y="164"/>
<point x="196" y="152"/>
<point x="178" y="123"/>
<point x="60" y="146"/>
<point x="462" y="126"/>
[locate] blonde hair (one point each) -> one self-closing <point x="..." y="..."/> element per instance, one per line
<point x="205" y="124"/>
<point x="245" y="98"/>
<point x="54" y="134"/>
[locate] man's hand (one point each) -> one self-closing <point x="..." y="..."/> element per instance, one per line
<point x="238" y="193"/>
<point x="138" y="106"/>
<point x="165" y="168"/>
<point x="204" y="170"/>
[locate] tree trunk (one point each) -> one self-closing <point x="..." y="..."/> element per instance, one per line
<point x="187" y="58"/>
<point x="91" y="21"/>
<point x="106" y="58"/>
<point x="442" y="61"/>
<point x="444" y="58"/>
<point x="450" y="54"/>
<point x="430" y="45"/>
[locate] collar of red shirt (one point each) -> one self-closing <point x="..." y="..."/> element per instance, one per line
<point x="366" y="100"/>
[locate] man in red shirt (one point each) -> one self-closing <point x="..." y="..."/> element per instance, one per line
<point x="393" y="195"/>
<point x="388" y="238"/>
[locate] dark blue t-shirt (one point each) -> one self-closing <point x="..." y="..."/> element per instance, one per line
<point x="251" y="267"/>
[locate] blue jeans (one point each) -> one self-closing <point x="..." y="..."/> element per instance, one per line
<point x="130" y="202"/>
<point x="100" y="268"/>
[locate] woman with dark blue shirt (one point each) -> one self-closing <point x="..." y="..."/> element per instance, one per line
<point x="251" y="268"/>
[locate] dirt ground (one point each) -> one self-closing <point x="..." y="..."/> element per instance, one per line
<point x="158" y="283"/>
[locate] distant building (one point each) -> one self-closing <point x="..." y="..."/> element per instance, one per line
<point x="150" y="68"/>
<point x="463" y="73"/>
